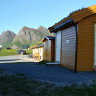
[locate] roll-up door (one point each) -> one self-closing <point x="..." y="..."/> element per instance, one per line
<point x="58" y="46"/>
<point x="68" y="47"/>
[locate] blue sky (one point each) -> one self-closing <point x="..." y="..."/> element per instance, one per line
<point x="14" y="14"/>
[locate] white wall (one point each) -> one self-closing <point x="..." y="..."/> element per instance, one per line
<point x="58" y="46"/>
<point x="41" y="53"/>
<point x="33" y="51"/>
<point x="0" y="46"/>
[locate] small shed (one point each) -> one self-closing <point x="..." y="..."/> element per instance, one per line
<point x="38" y="52"/>
<point x="0" y="47"/>
<point x="49" y="48"/>
<point x="76" y="40"/>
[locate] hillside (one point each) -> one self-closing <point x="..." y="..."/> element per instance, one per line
<point x="6" y="38"/>
<point x="30" y="36"/>
<point x="26" y="35"/>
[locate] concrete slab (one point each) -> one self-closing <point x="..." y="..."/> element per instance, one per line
<point x="53" y="64"/>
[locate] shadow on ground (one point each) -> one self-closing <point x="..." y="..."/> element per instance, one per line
<point x="56" y="74"/>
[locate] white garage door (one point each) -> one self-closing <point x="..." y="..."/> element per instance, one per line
<point x="58" y="46"/>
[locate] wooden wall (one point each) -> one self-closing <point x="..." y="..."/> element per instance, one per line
<point x="85" y="56"/>
<point x="68" y="47"/>
<point x="49" y="50"/>
<point x="38" y="53"/>
<point x="45" y="50"/>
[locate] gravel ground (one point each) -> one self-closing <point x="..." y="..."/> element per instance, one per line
<point x="12" y="59"/>
<point x="57" y="74"/>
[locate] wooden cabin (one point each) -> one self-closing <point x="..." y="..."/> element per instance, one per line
<point x="38" y="52"/>
<point x="76" y="40"/>
<point x="49" y="48"/>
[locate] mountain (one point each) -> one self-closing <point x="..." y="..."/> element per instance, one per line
<point x="26" y="35"/>
<point x="30" y="36"/>
<point x="6" y="38"/>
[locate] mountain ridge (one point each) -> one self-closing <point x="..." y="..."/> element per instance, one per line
<point x="6" y="38"/>
<point x="28" y="35"/>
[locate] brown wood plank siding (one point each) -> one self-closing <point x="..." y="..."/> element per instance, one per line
<point x="68" y="44"/>
<point x="85" y="57"/>
<point x="45" y="50"/>
<point x="49" y="50"/>
<point x="52" y="50"/>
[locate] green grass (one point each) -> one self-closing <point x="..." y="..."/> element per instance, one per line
<point x="28" y="51"/>
<point x="20" y="85"/>
<point x="9" y="52"/>
<point x="43" y="62"/>
<point x="2" y="70"/>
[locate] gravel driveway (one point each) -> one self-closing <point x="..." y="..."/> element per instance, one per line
<point x="57" y="74"/>
<point x="12" y="59"/>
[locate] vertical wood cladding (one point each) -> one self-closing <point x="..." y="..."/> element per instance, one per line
<point x="45" y="50"/>
<point x="85" y="57"/>
<point x="49" y="50"/>
<point x="38" y="53"/>
<point x="68" y="48"/>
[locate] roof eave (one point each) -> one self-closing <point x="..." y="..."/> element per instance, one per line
<point x="39" y="46"/>
<point x="62" y="25"/>
<point x="75" y="16"/>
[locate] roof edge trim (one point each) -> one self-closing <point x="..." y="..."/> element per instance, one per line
<point x="62" y="24"/>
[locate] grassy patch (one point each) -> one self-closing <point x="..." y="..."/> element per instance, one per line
<point x="20" y="85"/>
<point x="1" y="71"/>
<point x="8" y="52"/>
<point x="28" y="51"/>
<point x="43" y="62"/>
